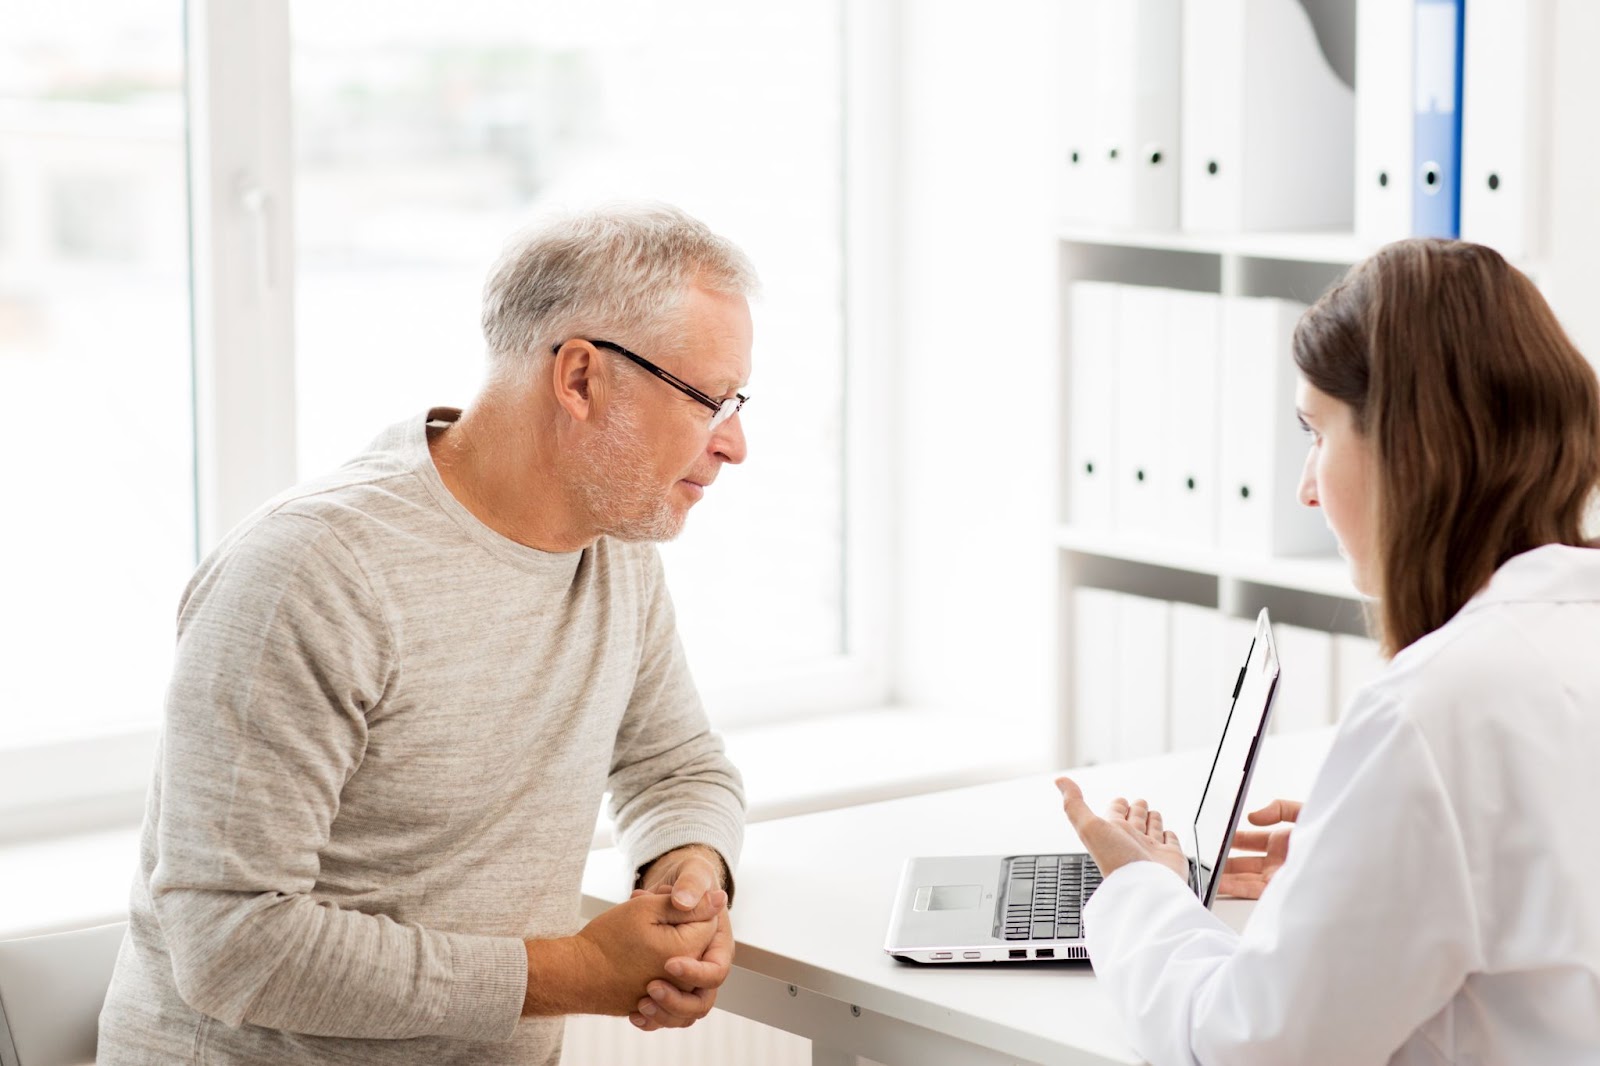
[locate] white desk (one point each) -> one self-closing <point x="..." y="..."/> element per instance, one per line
<point x="814" y="894"/>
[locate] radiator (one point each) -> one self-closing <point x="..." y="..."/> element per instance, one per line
<point x="719" y="1039"/>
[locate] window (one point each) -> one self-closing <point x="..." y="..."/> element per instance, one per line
<point x="94" y="363"/>
<point x="425" y="135"/>
<point x="156" y="403"/>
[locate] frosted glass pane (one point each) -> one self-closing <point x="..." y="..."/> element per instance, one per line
<point x="425" y="134"/>
<point x="98" y="535"/>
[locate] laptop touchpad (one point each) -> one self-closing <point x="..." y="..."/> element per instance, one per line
<point x="947" y="897"/>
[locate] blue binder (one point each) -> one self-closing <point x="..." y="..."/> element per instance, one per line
<point x="1436" y="73"/>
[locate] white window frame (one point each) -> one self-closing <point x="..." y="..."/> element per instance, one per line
<point x="242" y="235"/>
<point x="863" y="676"/>
<point x="242" y="242"/>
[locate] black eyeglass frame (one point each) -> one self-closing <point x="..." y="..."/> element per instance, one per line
<point x="738" y="399"/>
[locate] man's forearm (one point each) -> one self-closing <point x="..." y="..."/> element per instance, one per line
<point x="312" y="968"/>
<point x="690" y="794"/>
<point x="555" y="978"/>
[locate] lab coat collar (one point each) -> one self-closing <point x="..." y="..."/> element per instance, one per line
<point x="1554" y="573"/>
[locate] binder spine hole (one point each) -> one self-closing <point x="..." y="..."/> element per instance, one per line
<point x="1190" y="482"/>
<point x="1114" y="153"/>
<point x="1244" y="492"/>
<point x="1138" y="475"/>
<point x="1430" y="177"/>
<point x="1383" y="179"/>
<point x="1074" y="157"/>
<point x="1155" y="157"/>
<point x="1088" y="468"/>
<point x="1494" y="182"/>
<point x="1211" y="167"/>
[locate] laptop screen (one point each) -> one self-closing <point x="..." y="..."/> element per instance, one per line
<point x="1222" y="803"/>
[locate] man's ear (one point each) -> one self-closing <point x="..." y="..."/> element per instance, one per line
<point x="579" y="379"/>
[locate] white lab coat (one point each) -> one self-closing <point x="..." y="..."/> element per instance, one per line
<point x="1441" y="900"/>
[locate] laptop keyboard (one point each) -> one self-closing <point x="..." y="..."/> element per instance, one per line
<point x="1045" y="895"/>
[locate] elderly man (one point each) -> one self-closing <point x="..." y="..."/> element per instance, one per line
<point x="401" y="690"/>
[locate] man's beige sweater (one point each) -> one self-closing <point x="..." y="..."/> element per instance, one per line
<point x="387" y="738"/>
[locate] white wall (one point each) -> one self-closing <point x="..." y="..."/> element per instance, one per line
<point x="1571" y="280"/>
<point x="978" y="357"/>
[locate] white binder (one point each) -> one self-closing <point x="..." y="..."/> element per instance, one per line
<point x="1137" y="114"/>
<point x="1268" y="126"/>
<point x="1202" y="675"/>
<point x="1094" y="675"/>
<point x="1076" y="73"/>
<point x="1504" y="125"/>
<point x="1091" y="361"/>
<point x="1305" y="691"/>
<point x="1142" y="663"/>
<point x="1139" y="433"/>
<point x="1384" y="106"/>
<point x="1189" y="471"/>
<point x="1237" y="636"/>
<point x="1262" y="451"/>
<point x="1356" y="661"/>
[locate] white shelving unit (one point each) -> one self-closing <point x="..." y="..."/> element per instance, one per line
<point x="1333" y="248"/>
<point x="1312" y="593"/>
<point x="1315" y="593"/>
<point x="1318" y="576"/>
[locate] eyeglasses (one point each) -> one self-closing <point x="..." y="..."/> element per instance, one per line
<point x="721" y="410"/>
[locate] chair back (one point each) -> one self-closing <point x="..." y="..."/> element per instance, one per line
<point x="51" y="991"/>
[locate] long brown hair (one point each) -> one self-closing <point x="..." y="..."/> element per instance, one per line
<point x="1483" y="419"/>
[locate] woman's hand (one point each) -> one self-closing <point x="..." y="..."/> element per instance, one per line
<point x="1130" y="832"/>
<point x="1245" y="876"/>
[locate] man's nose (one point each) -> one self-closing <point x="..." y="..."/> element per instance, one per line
<point x="728" y="443"/>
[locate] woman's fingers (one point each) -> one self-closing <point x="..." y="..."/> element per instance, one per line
<point x="1078" y="812"/>
<point x="1139" y="815"/>
<point x="1251" y="840"/>
<point x="1244" y="864"/>
<point x="1279" y="810"/>
<point x="1246" y="886"/>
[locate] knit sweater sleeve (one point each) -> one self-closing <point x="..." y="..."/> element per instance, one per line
<point x="283" y="650"/>
<point x="671" y="782"/>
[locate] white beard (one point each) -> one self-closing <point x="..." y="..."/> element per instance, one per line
<point x="611" y="475"/>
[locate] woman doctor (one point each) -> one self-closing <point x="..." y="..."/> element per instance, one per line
<point x="1440" y="901"/>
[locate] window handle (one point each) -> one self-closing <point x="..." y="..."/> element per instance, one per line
<point x="258" y="204"/>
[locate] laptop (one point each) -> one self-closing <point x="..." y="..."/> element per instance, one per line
<point x="1007" y="908"/>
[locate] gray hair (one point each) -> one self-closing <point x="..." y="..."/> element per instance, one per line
<point x="619" y="272"/>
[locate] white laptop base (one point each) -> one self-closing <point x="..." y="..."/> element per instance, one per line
<point x="986" y="908"/>
<point x="1012" y="908"/>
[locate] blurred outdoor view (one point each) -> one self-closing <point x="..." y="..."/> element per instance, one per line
<point x="424" y="135"/>
<point x="95" y="380"/>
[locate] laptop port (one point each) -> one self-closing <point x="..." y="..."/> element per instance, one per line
<point x="1045" y="953"/>
<point x="1019" y="953"/>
